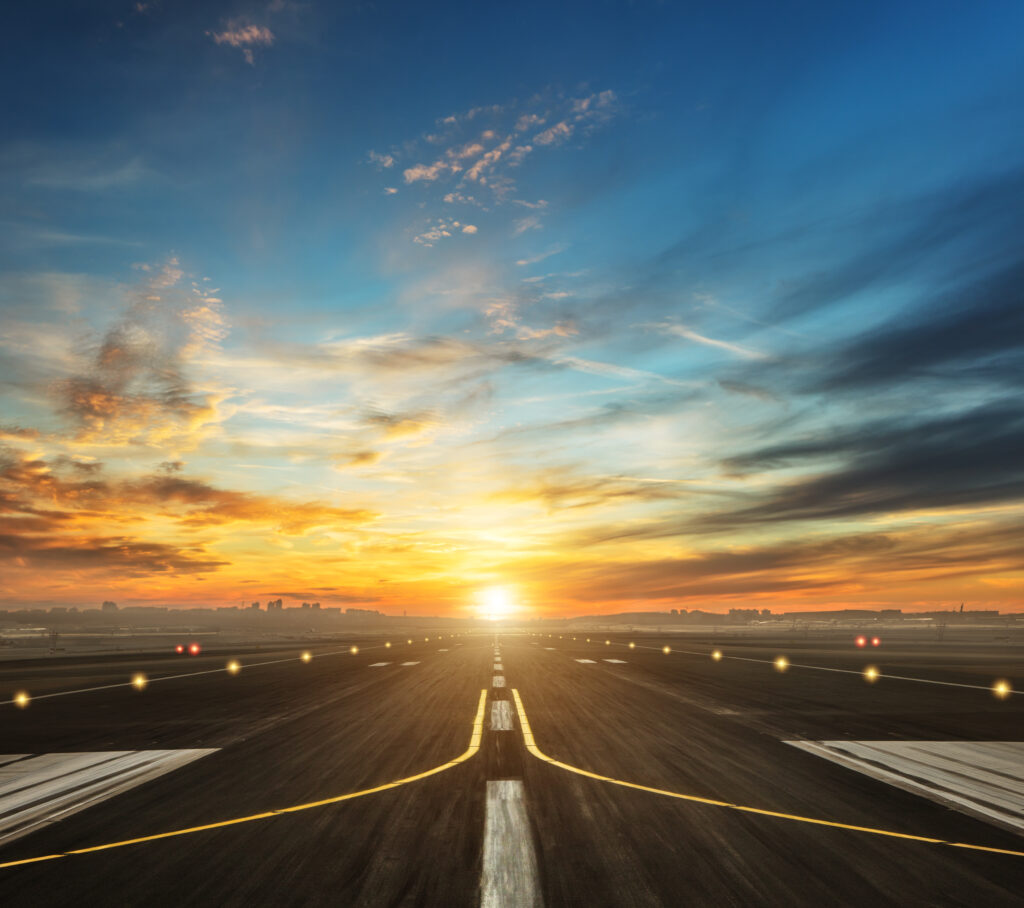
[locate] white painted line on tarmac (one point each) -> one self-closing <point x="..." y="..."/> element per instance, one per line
<point x="587" y="661"/>
<point x="498" y="667"/>
<point x="378" y="664"/>
<point x="43" y="789"/>
<point x="509" y="878"/>
<point x="982" y="778"/>
<point x="442" y="650"/>
<point x="501" y="715"/>
<point x="615" y="661"/>
<point x="410" y="663"/>
<point x="550" y="647"/>
<point x="499" y="681"/>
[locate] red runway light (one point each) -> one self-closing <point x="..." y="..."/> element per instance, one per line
<point x="875" y="641"/>
<point x="861" y="641"/>
<point x="193" y="649"/>
<point x="179" y="648"/>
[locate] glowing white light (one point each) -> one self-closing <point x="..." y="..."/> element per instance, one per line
<point x="496" y="604"/>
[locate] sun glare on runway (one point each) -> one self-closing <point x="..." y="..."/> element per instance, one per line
<point x="496" y="604"/>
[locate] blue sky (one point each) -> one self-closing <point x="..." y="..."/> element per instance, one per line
<point x="615" y="305"/>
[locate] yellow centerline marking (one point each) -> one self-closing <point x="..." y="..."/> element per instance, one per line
<point x="531" y="746"/>
<point x="474" y="746"/>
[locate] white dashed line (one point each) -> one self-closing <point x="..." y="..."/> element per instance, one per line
<point x="379" y="664"/>
<point x="501" y="715"/>
<point x="499" y="681"/>
<point x="587" y="661"/>
<point x="615" y="661"/>
<point x="410" y="663"/>
<point x="509" y="878"/>
<point x="442" y="650"/>
<point x="498" y="667"/>
<point x="549" y="647"/>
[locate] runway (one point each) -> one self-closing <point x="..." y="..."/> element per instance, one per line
<point x="516" y="769"/>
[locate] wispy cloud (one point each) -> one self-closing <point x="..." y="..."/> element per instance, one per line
<point x="677" y="330"/>
<point x="540" y="256"/>
<point x="245" y="36"/>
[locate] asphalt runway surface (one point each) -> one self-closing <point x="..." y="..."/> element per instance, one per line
<point x="490" y="732"/>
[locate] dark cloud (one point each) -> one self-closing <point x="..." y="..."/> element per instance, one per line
<point x="118" y="553"/>
<point x="976" y="331"/>
<point x="971" y="458"/>
<point x="843" y="563"/>
<point x="563" y="488"/>
<point x="947" y="235"/>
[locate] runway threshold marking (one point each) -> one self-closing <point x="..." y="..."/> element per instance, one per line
<point x="509" y="878"/>
<point x="531" y="746"/>
<point x="39" y="789"/>
<point x="470" y="751"/>
<point x="982" y="778"/>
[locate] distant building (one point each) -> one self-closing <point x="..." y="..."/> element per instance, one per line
<point x="108" y="606"/>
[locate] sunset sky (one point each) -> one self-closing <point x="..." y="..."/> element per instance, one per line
<point x="608" y="306"/>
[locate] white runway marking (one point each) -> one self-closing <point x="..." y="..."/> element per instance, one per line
<point x="379" y="664"/>
<point x="615" y="661"/>
<point x="982" y="778"/>
<point x="509" y="878"/>
<point x="550" y="647"/>
<point x="587" y="661"/>
<point x="499" y="681"/>
<point x="442" y="650"/>
<point x="38" y="790"/>
<point x="501" y="715"/>
<point x="410" y="663"/>
<point x="498" y="667"/>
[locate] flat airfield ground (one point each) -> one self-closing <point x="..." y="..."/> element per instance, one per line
<point x="286" y="733"/>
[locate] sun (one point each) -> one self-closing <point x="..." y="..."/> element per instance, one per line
<point x="495" y="603"/>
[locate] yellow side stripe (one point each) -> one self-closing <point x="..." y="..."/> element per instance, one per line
<point x="531" y="746"/>
<point x="474" y="746"/>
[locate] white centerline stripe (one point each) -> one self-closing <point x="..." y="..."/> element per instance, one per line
<point x="378" y="664"/>
<point x="499" y="681"/>
<point x="509" y="878"/>
<point x="410" y="663"/>
<point x="615" y="661"/>
<point x="498" y="667"/>
<point x="501" y="715"/>
<point x="587" y="661"/>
